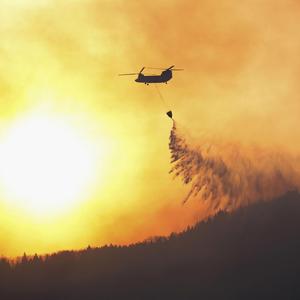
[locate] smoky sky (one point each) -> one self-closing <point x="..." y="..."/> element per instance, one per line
<point x="240" y="87"/>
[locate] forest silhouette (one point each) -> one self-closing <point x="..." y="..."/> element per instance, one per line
<point x="252" y="253"/>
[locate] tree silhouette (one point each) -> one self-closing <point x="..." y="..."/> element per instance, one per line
<point x="252" y="253"/>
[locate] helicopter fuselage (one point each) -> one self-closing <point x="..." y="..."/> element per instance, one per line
<point x="164" y="77"/>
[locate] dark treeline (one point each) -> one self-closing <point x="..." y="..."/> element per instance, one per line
<point x="253" y="253"/>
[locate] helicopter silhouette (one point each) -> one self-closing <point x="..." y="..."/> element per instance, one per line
<point x="164" y="77"/>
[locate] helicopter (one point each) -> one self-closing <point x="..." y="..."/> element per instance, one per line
<point x="164" y="77"/>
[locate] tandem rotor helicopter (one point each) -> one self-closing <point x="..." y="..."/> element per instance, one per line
<point x="164" y="77"/>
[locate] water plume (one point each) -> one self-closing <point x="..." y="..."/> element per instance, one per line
<point x="229" y="175"/>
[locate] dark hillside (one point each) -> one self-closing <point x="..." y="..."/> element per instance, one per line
<point x="252" y="253"/>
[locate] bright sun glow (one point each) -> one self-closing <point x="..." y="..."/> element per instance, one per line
<point x="46" y="167"/>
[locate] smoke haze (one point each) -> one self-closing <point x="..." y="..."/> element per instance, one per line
<point x="230" y="175"/>
<point x="238" y="97"/>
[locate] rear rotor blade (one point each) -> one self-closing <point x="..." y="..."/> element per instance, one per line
<point x="170" y="67"/>
<point x="129" y="74"/>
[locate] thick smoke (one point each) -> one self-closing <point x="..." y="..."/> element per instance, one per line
<point x="229" y="175"/>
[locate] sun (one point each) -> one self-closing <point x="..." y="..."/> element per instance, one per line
<point x="45" y="165"/>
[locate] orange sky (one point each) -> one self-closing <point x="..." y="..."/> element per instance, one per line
<point x="61" y="59"/>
